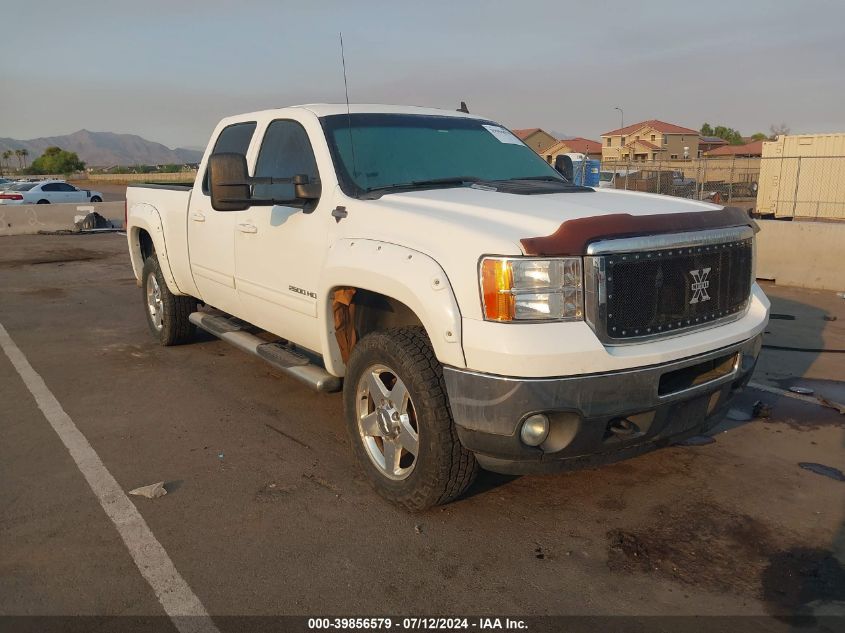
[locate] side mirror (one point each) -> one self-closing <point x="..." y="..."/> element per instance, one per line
<point x="228" y="180"/>
<point x="563" y="164"/>
<point x="230" y="185"/>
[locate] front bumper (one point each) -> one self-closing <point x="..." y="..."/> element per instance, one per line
<point x="664" y="402"/>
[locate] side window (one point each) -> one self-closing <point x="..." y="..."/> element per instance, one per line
<point x="50" y="186"/>
<point x="285" y="152"/>
<point x="63" y="186"/>
<point x="233" y="138"/>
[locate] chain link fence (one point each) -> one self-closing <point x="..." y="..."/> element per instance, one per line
<point x="799" y="187"/>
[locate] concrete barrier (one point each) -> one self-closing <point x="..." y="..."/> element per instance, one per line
<point x="29" y="219"/>
<point x="804" y="254"/>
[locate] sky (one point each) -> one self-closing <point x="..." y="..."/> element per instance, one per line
<point x="169" y="70"/>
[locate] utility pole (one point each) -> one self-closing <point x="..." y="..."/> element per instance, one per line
<point x="621" y="117"/>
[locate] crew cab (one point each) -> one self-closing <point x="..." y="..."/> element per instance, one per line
<point x="475" y="307"/>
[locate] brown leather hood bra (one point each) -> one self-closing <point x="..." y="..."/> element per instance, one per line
<point x="573" y="236"/>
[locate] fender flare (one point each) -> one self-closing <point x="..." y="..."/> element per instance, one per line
<point x="402" y="274"/>
<point x="143" y="216"/>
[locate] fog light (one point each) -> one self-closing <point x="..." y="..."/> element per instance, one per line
<point x="535" y="429"/>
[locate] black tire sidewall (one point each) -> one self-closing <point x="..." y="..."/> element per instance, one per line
<point x="151" y="267"/>
<point x="422" y="488"/>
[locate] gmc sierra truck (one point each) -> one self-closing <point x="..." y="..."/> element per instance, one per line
<point x="476" y="307"/>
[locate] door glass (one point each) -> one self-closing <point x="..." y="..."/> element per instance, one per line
<point x="234" y="138"/>
<point x="285" y="152"/>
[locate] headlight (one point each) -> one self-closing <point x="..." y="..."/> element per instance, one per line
<point x="528" y="289"/>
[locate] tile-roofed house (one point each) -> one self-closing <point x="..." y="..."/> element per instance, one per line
<point x="535" y="138"/>
<point x="576" y="145"/>
<point x="650" y="140"/>
<point x="707" y="143"/>
<point x="752" y="149"/>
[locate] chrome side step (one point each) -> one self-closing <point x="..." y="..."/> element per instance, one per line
<point x="278" y="355"/>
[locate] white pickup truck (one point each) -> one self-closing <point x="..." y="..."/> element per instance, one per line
<point x="476" y="308"/>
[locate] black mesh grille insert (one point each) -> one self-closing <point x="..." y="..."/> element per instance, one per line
<point x="661" y="291"/>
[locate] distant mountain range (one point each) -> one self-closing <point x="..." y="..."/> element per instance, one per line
<point x="105" y="149"/>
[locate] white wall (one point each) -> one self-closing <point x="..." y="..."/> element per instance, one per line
<point x="804" y="254"/>
<point x="29" y="219"/>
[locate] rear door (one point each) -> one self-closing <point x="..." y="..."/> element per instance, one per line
<point x="279" y="250"/>
<point x="211" y="234"/>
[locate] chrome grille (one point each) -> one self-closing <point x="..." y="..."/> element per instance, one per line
<point x="643" y="288"/>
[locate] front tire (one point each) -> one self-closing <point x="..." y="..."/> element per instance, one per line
<point x="399" y="421"/>
<point x="96" y="199"/>
<point x="167" y="314"/>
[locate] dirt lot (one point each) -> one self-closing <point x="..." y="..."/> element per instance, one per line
<point x="267" y="514"/>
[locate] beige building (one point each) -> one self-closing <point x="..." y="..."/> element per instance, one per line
<point x="649" y="140"/>
<point x="536" y="139"/>
<point x="576" y="145"/>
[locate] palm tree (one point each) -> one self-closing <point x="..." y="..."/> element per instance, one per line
<point x="19" y="155"/>
<point x="6" y="156"/>
<point x="24" y="154"/>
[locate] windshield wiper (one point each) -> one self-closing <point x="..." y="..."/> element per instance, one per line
<point x="543" y="178"/>
<point x="457" y="180"/>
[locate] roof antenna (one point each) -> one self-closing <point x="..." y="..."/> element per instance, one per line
<point x="348" y="115"/>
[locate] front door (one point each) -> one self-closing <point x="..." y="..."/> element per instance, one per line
<point x="211" y="234"/>
<point x="279" y="250"/>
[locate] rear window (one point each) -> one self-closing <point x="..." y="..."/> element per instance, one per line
<point x="23" y="186"/>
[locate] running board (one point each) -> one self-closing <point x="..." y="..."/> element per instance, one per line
<point x="278" y="355"/>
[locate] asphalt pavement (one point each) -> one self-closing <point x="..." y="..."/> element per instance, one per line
<point x="266" y="512"/>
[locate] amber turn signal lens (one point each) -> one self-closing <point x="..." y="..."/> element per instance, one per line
<point x="496" y="284"/>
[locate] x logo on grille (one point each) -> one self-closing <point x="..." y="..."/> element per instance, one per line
<point x="699" y="285"/>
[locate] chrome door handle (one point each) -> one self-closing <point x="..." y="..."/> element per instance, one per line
<point x="196" y="216"/>
<point x="247" y="228"/>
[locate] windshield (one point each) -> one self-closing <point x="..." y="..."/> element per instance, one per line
<point x="23" y="186"/>
<point x="416" y="151"/>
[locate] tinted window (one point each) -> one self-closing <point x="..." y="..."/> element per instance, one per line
<point x="63" y="186"/>
<point x="51" y="186"/>
<point x="285" y="152"/>
<point x="233" y="138"/>
<point x="24" y="186"/>
<point x="396" y="149"/>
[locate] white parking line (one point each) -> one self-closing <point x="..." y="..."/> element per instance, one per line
<point x="179" y="601"/>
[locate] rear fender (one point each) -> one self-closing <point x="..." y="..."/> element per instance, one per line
<point x="145" y="217"/>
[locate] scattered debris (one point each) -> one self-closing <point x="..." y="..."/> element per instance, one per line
<point x="804" y="391"/>
<point x="697" y="440"/>
<point x="829" y="403"/>
<point x="783" y="317"/>
<point x="821" y="469"/>
<point x="738" y="416"/>
<point x="153" y="491"/>
<point x="418" y="528"/>
<point x="761" y="410"/>
<point x="220" y="455"/>
<point x="538" y="553"/>
<point x="830" y="317"/>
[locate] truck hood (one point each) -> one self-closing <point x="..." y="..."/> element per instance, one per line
<point x="467" y="215"/>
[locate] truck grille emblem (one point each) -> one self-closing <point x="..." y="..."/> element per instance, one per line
<point x="699" y="285"/>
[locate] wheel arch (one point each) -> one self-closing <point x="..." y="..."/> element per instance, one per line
<point x="393" y="286"/>
<point x="146" y="236"/>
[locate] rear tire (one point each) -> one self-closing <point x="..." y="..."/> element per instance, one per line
<point x="394" y="375"/>
<point x="167" y="314"/>
<point x="43" y="202"/>
<point x="96" y="199"/>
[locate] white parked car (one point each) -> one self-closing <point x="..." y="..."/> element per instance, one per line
<point x="47" y="192"/>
